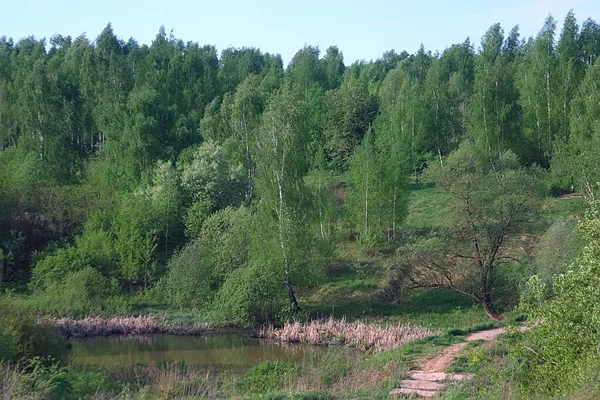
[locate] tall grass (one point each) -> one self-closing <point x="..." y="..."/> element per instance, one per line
<point x="98" y="326"/>
<point x="352" y="334"/>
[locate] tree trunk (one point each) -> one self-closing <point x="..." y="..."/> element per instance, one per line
<point x="286" y="262"/>
<point x="490" y="310"/>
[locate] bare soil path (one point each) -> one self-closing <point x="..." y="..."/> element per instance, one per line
<point x="431" y="376"/>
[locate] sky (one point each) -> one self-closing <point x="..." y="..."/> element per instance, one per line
<point x="362" y="30"/>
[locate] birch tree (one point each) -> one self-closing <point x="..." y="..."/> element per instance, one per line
<point x="285" y="208"/>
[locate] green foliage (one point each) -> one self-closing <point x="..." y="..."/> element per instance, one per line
<point x="7" y="346"/>
<point x="575" y="161"/>
<point x="195" y="217"/>
<point x="493" y="201"/>
<point x="268" y="376"/>
<point x="165" y="201"/>
<point x="209" y="174"/>
<point x="135" y="240"/>
<point x="283" y="241"/>
<point x="198" y="270"/>
<point x="558" y="353"/>
<point x="227" y="233"/>
<point x="556" y="249"/>
<point x="22" y="338"/>
<point x="250" y="296"/>
<point x="87" y="383"/>
<point x="471" y="361"/>
<point x="150" y="142"/>
<point x="349" y="112"/>
<point x="80" y="293"/>
<point x="334" y="366"/>
<point x="377" y="199"/>
<point x="94" y="248"/>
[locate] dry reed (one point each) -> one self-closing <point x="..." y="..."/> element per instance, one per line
<point x="352" y="334"/>
<point x="98" y="326"/>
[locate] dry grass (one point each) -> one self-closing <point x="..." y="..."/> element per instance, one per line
<point x="9" y="382"/>
<point x="352" y="334"/>
<point x="173" y="381"/>
<point x="98" y="326"/>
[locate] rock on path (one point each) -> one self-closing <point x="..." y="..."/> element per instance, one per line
<point x="428" y="381"/>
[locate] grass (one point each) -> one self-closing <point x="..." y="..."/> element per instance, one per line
<point x="554" y="208"/>
<point x="426" y="206"/>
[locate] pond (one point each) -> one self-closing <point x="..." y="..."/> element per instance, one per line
<point x="222" y="351"/>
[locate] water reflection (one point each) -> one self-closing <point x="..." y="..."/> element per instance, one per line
<point x="220" y="351"/>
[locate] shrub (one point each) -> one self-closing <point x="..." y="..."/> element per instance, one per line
<point x="559" y="351"/>
<point x="21" y="338"/>
<point x="249" y="296"/>
<point x="82" y="292"/>
<point x="558" y="246"/>
<point x="198" y="271"/>
<point x="92" y="249"/>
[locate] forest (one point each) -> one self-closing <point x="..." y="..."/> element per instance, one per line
<point x="447" y="190"/>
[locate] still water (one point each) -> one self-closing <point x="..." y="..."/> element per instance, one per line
<point x="222" y="351"/>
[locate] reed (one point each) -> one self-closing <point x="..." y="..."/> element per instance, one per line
<point x="98" y="326"/>
<point x="352" y="334"/>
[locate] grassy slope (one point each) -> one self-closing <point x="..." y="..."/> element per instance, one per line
<point x="356" y="273"/>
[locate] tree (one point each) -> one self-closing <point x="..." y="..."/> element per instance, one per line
<point x="399" y="115"/>
<point x="570" y="70"/>
<point x="495" y="112"/>
<point x="333" y="67"/>
<point x="285" y="208"/>
<point x="491" y="207"/>
<point x="537" y="83"/>
<point x="166" y="200"/>
<point x="135" y="240"/>
<point x="349" y="112"/>
<point x="577" y="160"/>
<point x="305" y="70"/>
<point x="362" y="196"/>
<point x="590" y="42"/>
<point x="207" y="173"/>
<point x="243" y="117"/>
<point x="197" y="272"/>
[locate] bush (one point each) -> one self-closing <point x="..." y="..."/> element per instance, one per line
<point x="82" y="292"/>
<point x="268" y="376"/>
<point x="558" y="246"/>
<point x="198" y="271"/>
<point x="559" y="352"/>
<point x="188" y="280"/>
<point x="92" y="249"/>
<point x="21" y="338"/>
<point x="249" y="296"/>
<point x="195" y="217"/>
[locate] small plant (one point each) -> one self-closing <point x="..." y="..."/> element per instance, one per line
<point x="471" y="361"/>
<point x="361" y="270"/>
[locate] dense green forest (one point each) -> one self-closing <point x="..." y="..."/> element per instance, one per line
<point x="174" y="175"/>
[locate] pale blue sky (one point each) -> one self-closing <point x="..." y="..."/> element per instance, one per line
<point x="361" y="29"/>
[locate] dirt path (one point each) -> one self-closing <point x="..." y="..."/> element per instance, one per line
<point x="431" y="376"/>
